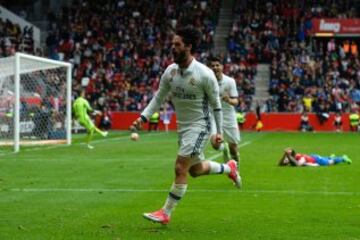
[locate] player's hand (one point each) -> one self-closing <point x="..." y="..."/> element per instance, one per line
<point x="219" y="138"/>
<point x="97" y="112"/>
<point x="226" y="98"/>
<point x="288" y="150"/>
<point x="216" y="141"/>
<point x="136" y="125"/>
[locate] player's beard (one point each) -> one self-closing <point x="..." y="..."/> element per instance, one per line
<point x="218" y="75"/>
<point x="179" y="57"/>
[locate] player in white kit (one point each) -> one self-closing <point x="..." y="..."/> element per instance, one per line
<point x="229" y="99"/>
<point x="194" y="91"/>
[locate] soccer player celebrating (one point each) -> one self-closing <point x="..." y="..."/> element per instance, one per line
<point x="229" y="99"/>
<point x="81" y="107"/>
<point x="194" y="90"/>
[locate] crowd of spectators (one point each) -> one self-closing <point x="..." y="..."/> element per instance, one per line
<point x="13" y="38"/>
<point x="327" y="80"/>
<point x="306" y="74"/>
<point x="262" y="27"/>
<point x="320" y="75"/>
<point x="277" y="32"/>
<point x="120" y="48"/>
<point x="243" y="71"/>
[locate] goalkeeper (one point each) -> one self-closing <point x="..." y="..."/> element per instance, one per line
<point x="81" y="107"/>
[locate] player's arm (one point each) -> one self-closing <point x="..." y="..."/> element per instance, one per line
<point x="88" y="107"/>
<point x="292" y="159"/>
<point x="212" y="91"/>
<point x="282" y="159"/>
<point x="155" y="102"/>
<point x="232" y="98"/>
<point x="96" y="112"/>
<point x="311" y="164"/>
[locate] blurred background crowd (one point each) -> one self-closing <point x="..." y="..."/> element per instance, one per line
<point x="119" y="50"/>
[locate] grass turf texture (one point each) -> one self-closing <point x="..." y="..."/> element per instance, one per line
<point x="77" y="193"/>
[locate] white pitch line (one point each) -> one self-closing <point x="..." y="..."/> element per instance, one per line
<point x="219" y="154"/>
<point x="125" y="137"/>
<point x="125" y="190"/>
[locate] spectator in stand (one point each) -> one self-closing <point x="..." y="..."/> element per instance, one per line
<point x="305" y="123"/>
<point x="166" y="115"/>
<point x="259" y="124"/>
<point x="322" y="111"/>
<point x="308" y="102"/>
<point x="105" y="120"/>
<point x="355" y="95"/>
<point x="354" y="121"/>
<point x="354" y="48"/>
<point x="338" y="122"/>
<point x="13" y="38"/>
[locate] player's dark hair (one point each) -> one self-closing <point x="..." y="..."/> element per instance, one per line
<point x="293" y="153"/>
<point x="214" y="59"/>
<point x="190" y="36"/>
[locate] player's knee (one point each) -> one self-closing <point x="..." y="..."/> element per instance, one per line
<point x="195" y="171"/>
<point x="180" y="170"/>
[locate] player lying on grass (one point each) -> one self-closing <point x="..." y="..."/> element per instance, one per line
<point x="81" y="107"/>
<point x="291" y="158"/>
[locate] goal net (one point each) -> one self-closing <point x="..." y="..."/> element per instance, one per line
<point x="35" y="102"/>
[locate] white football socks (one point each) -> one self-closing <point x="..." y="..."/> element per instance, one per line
<point x="218" y="168"/>
<point x="177" y="191"/>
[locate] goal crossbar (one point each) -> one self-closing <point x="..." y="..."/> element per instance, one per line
<point x="21" y="65"/>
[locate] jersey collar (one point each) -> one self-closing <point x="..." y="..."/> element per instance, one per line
<point x="189" y="69"/>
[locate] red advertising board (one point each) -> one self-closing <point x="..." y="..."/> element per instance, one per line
<point x="336" y="27"/>
<point x="271" y="121"/>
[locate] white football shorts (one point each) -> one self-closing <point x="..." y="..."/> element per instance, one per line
<point x="192" y="143"/>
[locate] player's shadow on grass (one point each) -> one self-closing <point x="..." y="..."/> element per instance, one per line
<point x="156" y="228"/>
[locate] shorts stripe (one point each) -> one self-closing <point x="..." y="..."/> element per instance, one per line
<point x="198" y="143"/>
<point x="205" y="106"/>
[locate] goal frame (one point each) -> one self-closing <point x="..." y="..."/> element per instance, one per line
<point x="18" y="72"/>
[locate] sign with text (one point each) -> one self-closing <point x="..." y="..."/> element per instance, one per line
<point x="336" y="27"/>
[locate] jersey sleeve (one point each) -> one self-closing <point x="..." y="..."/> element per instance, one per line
<point x="212" y="91"/>
<point x="233" y="89"/>
<point x="87" y="106"/>
<point x="160" y="95"/>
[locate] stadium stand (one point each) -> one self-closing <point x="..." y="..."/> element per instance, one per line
<point x="13" y="38"/>
<point x="119" y="50"/>
<point x="318" y="75"/>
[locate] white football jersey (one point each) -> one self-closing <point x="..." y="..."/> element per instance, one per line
<point x="194" y="91"/>
<point x="227" y="86"/>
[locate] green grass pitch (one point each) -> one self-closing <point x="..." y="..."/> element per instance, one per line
<point x="76" y="193"/>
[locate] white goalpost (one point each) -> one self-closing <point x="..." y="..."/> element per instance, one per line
<point x="35" y="102"/>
